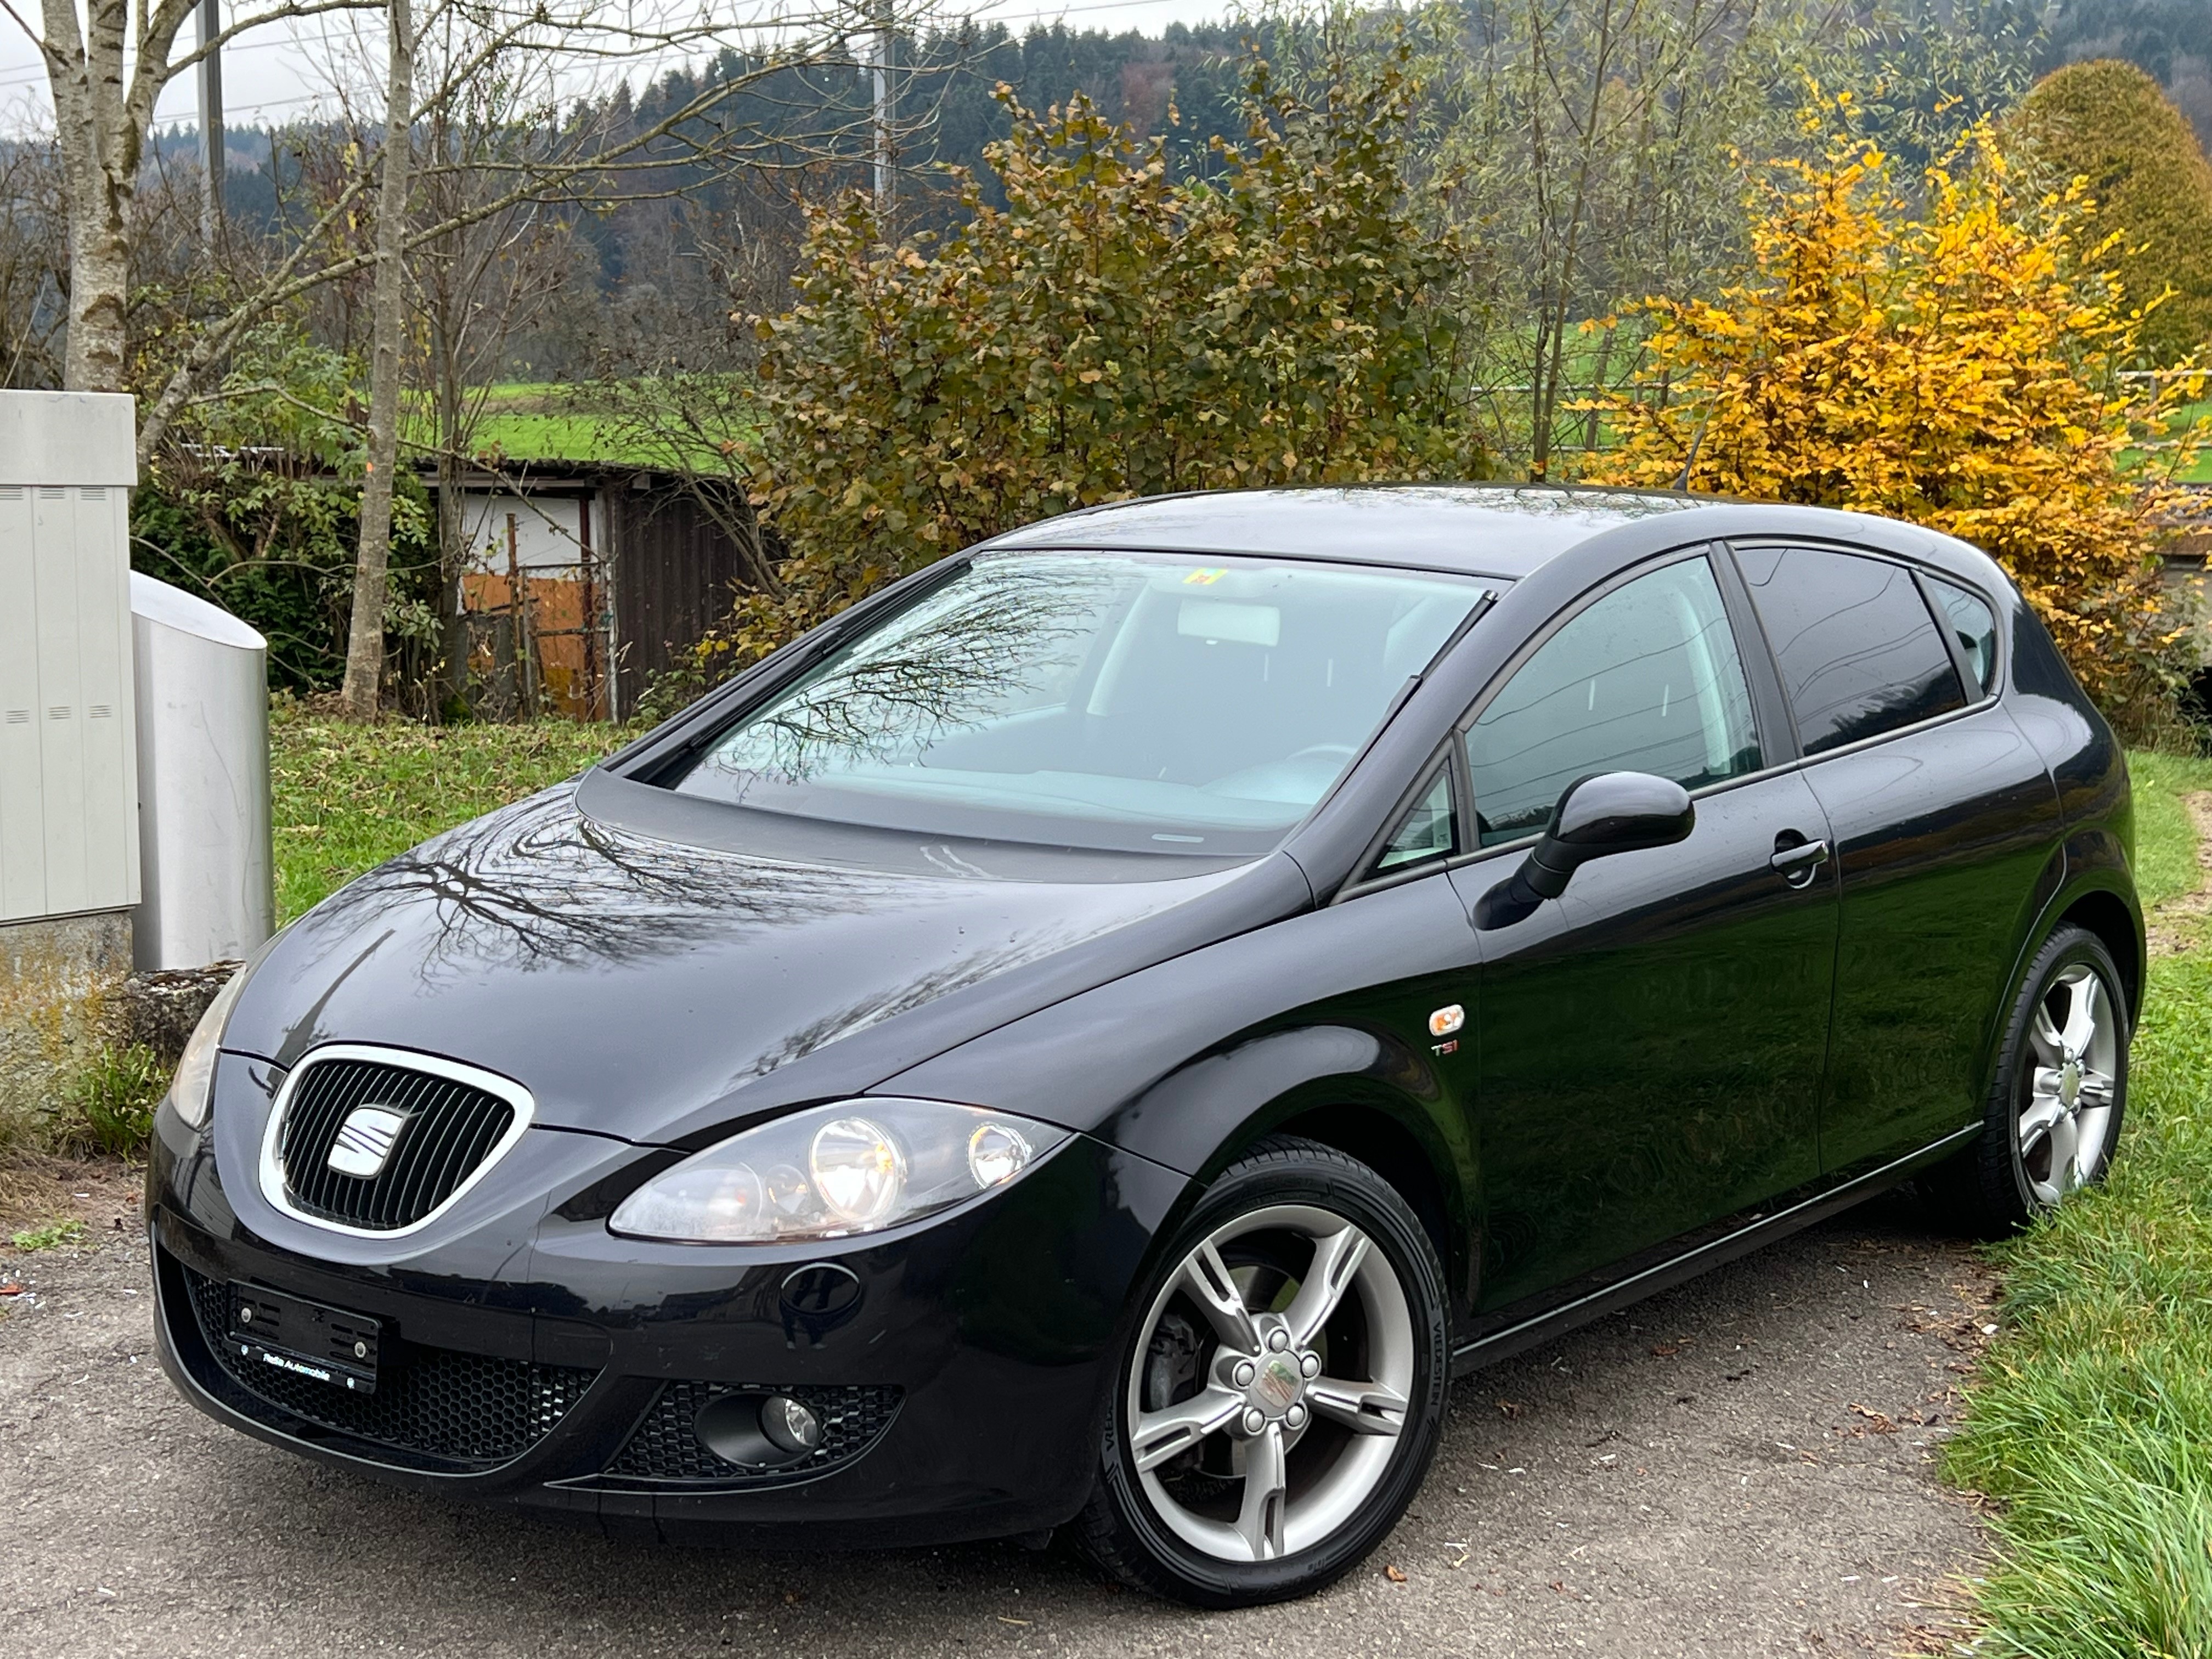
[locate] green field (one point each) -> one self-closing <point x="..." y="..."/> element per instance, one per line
<point x="540" y="421"/>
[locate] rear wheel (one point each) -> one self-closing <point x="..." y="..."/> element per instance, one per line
<point x="1282" y="1391"/>
<point x="2053" y="1116"/>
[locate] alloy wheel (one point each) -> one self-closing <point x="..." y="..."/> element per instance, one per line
<point x="2071" y="1088"/>
<point x="1270" y="1384"/>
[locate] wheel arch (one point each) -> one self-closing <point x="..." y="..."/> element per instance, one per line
<point x="1386" y="1145"/>
<point x="2112" y="920"/>
<point x="1394" y="1117"/>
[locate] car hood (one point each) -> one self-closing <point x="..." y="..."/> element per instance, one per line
<point x="659" y="991"/>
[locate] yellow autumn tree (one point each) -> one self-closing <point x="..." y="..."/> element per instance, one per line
<point x="1956" y="365"/>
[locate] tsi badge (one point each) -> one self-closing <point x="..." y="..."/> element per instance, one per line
<point x="365" y="1141"/>
<point x="1442" y="1023"/>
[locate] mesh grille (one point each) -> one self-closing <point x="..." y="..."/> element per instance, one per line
<point x="458" y="1407"/>
<point x="664" y="1448"/>
<point x="450" y="1129"/>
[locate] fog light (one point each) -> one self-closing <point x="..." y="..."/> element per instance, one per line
<point x="790" y="1426"/>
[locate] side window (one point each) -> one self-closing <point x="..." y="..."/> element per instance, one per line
<point x="1428" y="830"/>
<point x="1859" y="653"/>
<point x="1968" y="615"/>
<point x="1646" y="679"/>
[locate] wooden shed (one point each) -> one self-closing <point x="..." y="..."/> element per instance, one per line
<point x="586" y="580"/>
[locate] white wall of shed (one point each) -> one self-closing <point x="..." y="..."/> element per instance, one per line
<point x="547" y="530"/>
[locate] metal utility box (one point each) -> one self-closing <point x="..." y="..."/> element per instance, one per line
<point x="69" y="794"/>
<point x="203" y="780"/>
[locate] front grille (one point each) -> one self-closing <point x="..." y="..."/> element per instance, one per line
<point x="663" y="1447"/>
<point x="458" y="1408"/>
<point x="450" y="1129"/>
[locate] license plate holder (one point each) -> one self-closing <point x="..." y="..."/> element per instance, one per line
<point x="305" y="1339"/>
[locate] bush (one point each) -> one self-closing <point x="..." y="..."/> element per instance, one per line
<point x="256" y="507"/>
<point x="1956" y="367"/>
<point x="110" y="1108"/>
<point x="1114" y="330"/>
<point x="2108" y="124"/>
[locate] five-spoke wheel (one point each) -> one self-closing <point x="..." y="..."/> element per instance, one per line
<point x="1283" y="1388"/>
<point x="1238" y="1385"/>
<point x="2052" y="1119"/>
<point x="2066" y="1121"/>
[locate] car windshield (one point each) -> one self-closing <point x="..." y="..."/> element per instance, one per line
<point x="1143" y="702"/>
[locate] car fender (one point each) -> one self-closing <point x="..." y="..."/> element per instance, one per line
<point x="1314" y="1025"/>
<point x="2092" y="863"/>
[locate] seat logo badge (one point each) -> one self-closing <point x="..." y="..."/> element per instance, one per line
<point x="1447" y="1019"/>
<point x="365" y="1140"/>
<point x="1278" y="1385"/>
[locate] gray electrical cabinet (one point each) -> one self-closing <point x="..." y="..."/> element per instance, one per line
<point x="68" y="786"/>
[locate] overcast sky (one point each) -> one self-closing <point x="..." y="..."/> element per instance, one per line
<point x="278" y="75"/>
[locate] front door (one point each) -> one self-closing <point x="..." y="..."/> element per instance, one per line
<point x="1652" y="1044"/>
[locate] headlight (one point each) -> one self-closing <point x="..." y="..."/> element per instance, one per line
<point x="195" y="1073"/>
<point x="857" y="1166"/>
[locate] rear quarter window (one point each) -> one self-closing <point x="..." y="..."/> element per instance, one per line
<point x="1968" y="615"/>
<point x="1859" y="653"/>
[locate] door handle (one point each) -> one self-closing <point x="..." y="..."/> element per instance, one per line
<point x="1798" y="864"/>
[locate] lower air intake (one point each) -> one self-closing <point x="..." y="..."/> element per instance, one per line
<point x="665" y="1445"/>
<point x="467" y="1410"/>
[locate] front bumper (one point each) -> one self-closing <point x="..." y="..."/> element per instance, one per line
<point x="532" y="1358"/>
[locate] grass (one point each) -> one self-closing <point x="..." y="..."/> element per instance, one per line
<point x="2091" y="1421"/>
<point x="346" y="797"/>
<point x="532" y="421"/>
<point x="2165" y="844"/>
<point x="110" y="1108"/>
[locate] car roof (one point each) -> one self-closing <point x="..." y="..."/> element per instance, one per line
<point x="1504" y="530"/>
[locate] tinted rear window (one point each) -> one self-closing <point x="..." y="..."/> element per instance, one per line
<point x="1858" y="650"/>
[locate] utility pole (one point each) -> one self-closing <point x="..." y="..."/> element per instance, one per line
<point x="882" y="71"/>
<point x="214" y="161"/>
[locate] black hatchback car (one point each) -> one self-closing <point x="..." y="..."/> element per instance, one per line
<point x="1099" y="1034"/>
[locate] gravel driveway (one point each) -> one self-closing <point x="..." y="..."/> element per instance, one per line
<point x="1744" y="1465"/>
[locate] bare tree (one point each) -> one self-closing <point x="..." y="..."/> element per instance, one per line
<point x="107" y="64"/>
<point x="106" y="68"/>
<point x="34" y="264"/>
<point x="1593" y="146"/>
<point x="364" y="670"/>
<point x="478" y="283"/>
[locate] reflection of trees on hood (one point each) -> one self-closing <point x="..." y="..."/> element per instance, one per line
<point x="1007" y="627"/>
<point x="539" y="883"/>
<point x="955" y="975"/>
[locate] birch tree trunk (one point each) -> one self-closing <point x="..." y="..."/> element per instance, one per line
<point x="104" y="92"/>
<point x="364" y="670"/>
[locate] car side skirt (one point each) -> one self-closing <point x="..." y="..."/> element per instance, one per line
<point x="1517" y="1336"/>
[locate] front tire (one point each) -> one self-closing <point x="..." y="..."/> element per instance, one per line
<point x="2052" y="1119"/>
<point x="1281" y="1393"/>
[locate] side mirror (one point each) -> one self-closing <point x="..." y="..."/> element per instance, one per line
<point x="1597" y="817"/>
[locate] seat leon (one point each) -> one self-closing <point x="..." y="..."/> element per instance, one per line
<point x="1098" y="1035"/>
